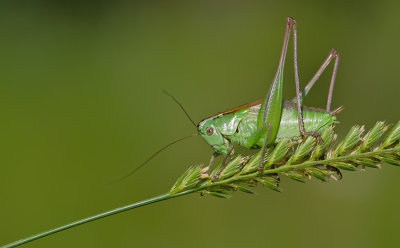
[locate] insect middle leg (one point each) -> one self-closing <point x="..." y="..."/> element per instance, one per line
<point x="251" y="141"/>
<point x="263" y="150"/>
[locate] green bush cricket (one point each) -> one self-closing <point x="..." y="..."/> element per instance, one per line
<point x="264" y="122"/>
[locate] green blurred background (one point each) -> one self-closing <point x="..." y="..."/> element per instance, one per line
<point x="81" y="104"/>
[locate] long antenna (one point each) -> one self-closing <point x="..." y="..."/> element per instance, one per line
<point x="180" y="105"/>
<point x="152" y="156"/>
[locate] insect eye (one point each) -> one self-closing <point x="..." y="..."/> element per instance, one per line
<point x="209" y="131"/>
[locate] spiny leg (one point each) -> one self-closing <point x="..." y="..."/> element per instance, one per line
<point x="216" y="176"/>
<point x="333" y="78"/>
<point x="210" y="164"/>
<point x="297" y="83"/>
<point x="332" y="55"/>
<point x="213" y="156"/>
<point x="263" y="150"/>
<point x="302" y="130"/>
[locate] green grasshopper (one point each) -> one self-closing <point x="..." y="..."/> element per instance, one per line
<point x="264" y="122"/>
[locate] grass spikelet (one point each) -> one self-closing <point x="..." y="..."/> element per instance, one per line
<point x="344" y="166"/>
<point x="296" y="175"/>
<point x="219" y="194"/>
<point x="233" y="167"/>
<point x="389" y="159"/>
<point x="254" y="162"/>
<point x="188" y="180"/>
<point x="373" y="136"/>
<point x="318" y="173"/>
<point x="392" y="137"/>
<point x="366" y="162"/>
<point x="327" y="137"/>
<point x="302" y="150"/>
<point x="291" y="159"/>
<point x="270" y="182"/>
<point x="237" y="187"/>
<point x="279" y="152"/>
<point x="299" y="161"/>
<point x="351" y="139"/>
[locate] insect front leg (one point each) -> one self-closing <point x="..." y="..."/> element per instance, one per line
<point x="216" y="176"/>
<point x="213" y="156"/>
<point x="252" y="140"/>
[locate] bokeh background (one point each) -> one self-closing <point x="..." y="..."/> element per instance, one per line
<point x="81" y="104"/>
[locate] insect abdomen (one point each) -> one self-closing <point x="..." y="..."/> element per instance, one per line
<point x="314" y="120"/>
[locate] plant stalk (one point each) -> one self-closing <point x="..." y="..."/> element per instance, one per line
<point x="92" y="218"/>
<point x="198" y="188"/>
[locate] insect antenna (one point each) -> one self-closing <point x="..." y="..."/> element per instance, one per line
<point x="180" y="105"/>
<point x="152" y="156"/>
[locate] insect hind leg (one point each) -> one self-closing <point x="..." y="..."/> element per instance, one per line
<point x="333" y="55"/>
<point x="316" y="135"/>
<point x="302" y="130"/>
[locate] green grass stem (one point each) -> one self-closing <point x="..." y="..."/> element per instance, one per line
<point x="295" y="160"/>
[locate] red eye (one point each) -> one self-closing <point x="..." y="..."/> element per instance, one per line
<point x="209" y="131"/>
